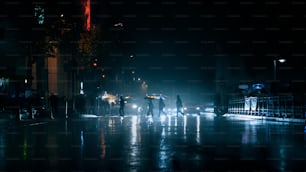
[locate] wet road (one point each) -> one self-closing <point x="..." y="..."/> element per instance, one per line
<point x="139" y="143"/>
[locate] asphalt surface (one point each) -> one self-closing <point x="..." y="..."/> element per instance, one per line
<point x="141" y="143"/>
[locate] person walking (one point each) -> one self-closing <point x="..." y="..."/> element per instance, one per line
<point x="53" y="100"/>
<point x="161" y="106"/>
<point x="121" y="108"/>
<point x="179" y="105"/>
<point x="150" y="107"/>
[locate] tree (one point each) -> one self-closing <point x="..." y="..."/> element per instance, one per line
<point x="87" y="46"/>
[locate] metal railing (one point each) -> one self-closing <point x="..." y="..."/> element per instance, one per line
<point x="275" y="106"/>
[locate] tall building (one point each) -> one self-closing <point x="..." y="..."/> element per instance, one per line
<point x="39" y="42"/>
<point x="62" y="27"/>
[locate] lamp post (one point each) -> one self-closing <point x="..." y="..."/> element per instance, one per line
<point x="275" y="64"/>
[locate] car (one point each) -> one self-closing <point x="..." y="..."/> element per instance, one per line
<point x="132" y="106"/>
<point x="192" y="109"/>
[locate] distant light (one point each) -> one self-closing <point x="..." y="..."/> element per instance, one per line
<point x="258" y="86"/>
<point x="118" y="24"/>
<point x="81" y="88"/>
<point x="25" y="81"/>
<point x="62" y="15"/>
<point x="282" y="60"/>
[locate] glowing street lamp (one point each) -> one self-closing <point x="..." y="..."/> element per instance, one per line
<point x="275" y="64"/>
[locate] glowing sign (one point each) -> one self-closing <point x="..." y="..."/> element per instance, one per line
<point x="86" y="6"/>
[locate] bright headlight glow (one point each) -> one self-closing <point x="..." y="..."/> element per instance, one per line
<point x="197" y="108"/>
<point x="134" y="106"/>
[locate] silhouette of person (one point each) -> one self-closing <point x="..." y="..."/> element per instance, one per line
<point x="121" y="108"/>
<point x="161" y="106"/>
<point x="179" y="105"/>
<point x="53" y="100"/>
<point x="150" y="107"/>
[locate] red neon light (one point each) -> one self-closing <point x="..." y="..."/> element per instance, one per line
<point x="87" y="14"/>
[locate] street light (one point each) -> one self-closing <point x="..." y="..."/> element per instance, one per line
<point x="275" y="64"/>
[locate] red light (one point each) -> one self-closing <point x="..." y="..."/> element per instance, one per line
<point x="86" y="5"/>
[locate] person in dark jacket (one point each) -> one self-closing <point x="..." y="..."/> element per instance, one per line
<point x="161" y="106"/>
<point x="121" y="108"/>
<point x="179" y="105"/>
<point x="150" y="107"/>
<point x="53" y="100"/>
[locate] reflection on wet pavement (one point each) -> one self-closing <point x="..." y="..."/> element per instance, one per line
<point x="140" y="143"/>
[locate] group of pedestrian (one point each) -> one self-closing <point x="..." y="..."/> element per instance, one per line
<point x="161" y="106"/>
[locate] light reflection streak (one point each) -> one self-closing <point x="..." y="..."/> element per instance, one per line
<point x="121" y="120"/>
<point x="283" y="159"/>
<point x="81" y="147"/>
<point x="103" y="151"/>
<point x="134" y="151"/>
<point x="245" y="134"/>
<point x="150" y="119"/>
<point x="162" y="118"/>
<point x="198" y="130"/>
<point x="305" y="132"/>
<point x="175" y="126"/>
<point x="110" y="123"/>
<point x="184" y="125"/>
<point x="163" y="134"/>
<point x="25" y="148"/>
<point x="134" y="130"/>
<point x="249" y="135"/>
<point x="163" y="152"/>
<point x="82" y="138"/>
<point x="169" y="124"/>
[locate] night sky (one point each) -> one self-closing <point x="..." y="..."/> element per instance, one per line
<point x="192" y="34"/>
<point x="191" y="40"/>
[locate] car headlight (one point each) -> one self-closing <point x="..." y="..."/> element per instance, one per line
<point x="134" y="106"/>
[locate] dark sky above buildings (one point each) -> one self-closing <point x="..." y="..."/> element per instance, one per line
<point x="192" y="33"/>
<point x="187" y="38"/>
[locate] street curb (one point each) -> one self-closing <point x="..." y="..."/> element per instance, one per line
<point x="267" y="118"/>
